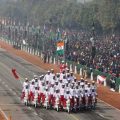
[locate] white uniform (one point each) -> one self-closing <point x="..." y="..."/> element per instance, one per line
<point x="60" y="84"/>
<point x="56" y="87"/>
<point x="52" y="90"/>
<point x="89" y="90"/>
<point x="24" y="85"/>
<point x="67" y="96"/>
<point x="26" y="92"/>
<point x="72" y="92"/>
<point x="93" y="94"/>
<point x="52" y="81"/>
<point x="86" y="86"/>
<point x="82" y="91"/>
<point x="36" y="94"/>
<point x="65" y="81"/>
<point x="62" y="91"/>
<point x="61" y="76"/>
<point x="36" y="84"/>
<point x="52" y="75"/>
<point x="32" y="88"/>
<point x="57" y="95"/>
<point x="47" y="77"/>
<point x="77" y="93"/>
<point x="47" y="95"/>
<point x="93" y="87"/>
<point x="42" y="89"/>
<point x="40" y="83"/>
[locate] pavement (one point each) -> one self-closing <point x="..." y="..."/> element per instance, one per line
<point x="10" y="92"/>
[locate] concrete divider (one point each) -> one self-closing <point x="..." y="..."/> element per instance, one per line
<point x="81" y="72"/>
<point x="50" y="59"/>
<point x="54" y="62"/>
<point x="71" y="68"/>
<point x="91" y="77"/>
<point x="105" y="83"/>
<point x="119" y="88"/>
<point x="75" y="71"/>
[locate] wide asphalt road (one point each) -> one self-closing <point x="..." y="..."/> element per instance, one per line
<point x="10" y="92"/>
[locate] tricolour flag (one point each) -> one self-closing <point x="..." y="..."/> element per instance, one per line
<point x="60" y="48"/>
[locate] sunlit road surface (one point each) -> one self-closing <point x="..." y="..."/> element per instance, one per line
<point x="10" y="92"/>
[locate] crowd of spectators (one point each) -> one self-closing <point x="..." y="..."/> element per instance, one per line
<point x="107" y="53"/>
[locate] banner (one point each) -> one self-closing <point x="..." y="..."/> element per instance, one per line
<point x="101" y="79"/>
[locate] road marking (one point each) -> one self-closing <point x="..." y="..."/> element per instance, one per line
<point x="73" y="116"/>
<point x="101" y="115"/>
<point x="9" y="104"/>
<point x="35" y="113"/>
<point x="3" y="113"/>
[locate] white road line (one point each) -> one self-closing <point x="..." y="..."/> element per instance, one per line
<point x="101" y="115"/>
<point x="35" y="113"/>
<point x="4" y="114"/>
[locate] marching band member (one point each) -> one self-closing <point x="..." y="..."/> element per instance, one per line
<point x="36" y="93"/>
<point x="51" y="94"/>
<point x="62" y="66"/>
<point x="72" y="94"/>
<point x="60" y="83"/>
<point x="62" y="92"/>
<point x="56" y="96"/>
<point x="71" y="76"/>
<point x="41" y="93"/>
<point x="32" y="90"/>
<point x="93" y="86"/>
<point x="47" y="76"/>
<point x="62" y="74"/>
<point x="62" y="87"/>
<point x="67" y="71"/>
<point x="36" y="82"/>
<point x="56" y="85"/>
<point x="67" y="97"/>
<point x="57" y="76"/>
<point x="25" y="83"/>
<point x="52" y="74"/>
<point x="77" y="95"/>
<point x="86" y="84"/>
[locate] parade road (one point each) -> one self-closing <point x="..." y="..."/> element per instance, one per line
<point x="10" y="92"/>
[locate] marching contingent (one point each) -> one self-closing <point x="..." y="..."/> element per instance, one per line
<point x="60" y="91"/>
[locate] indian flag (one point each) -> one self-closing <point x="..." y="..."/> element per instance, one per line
<point x="60" y="48"/>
